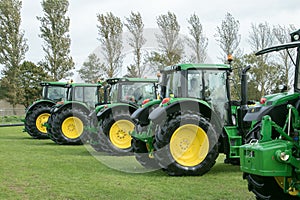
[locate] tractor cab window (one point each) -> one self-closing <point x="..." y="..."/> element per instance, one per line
<point x="195" y="84"/>
<point x="113" y="95"/>
<point x="173" y="84"/>
<point x="54" y="93"/>
<point x="90" y="96"/>
<point x="216" y="91"/>
<point x="86" y="95"/>
<point x="137" y="92"/>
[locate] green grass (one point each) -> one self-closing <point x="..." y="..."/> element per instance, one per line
<point x="40" y="169"/>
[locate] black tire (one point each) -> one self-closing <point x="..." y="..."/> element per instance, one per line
<point x="59" y="134"/>
<point x="142" y="155"/>
<point x="162" y="145"/>
<point x="39" y="112"/>
<point x="264" y="187"/>
<point x="103" y="142"/>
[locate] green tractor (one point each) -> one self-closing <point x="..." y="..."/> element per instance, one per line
<point x="112" y="121"/>
<point x="185" y="133"/>
<point x="38" y="113"/>
<point x="271" y="158"/>
<point x="68" y="119"/>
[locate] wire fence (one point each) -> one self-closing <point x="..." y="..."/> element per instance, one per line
<point x="12" y="112"/>
<point x="11" y="117"/>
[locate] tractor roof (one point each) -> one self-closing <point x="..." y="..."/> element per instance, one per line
<point x="83" y="84"/>
<point x="180" y="67"/>
<point x="279" y="47"/>
<point x="134" y="80"/>
<point x="53" y="83"/>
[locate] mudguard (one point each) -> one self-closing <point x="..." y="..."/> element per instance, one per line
<point x="160" y="113"/>
<point x="112" y="108"/>
<point x="142" y="114"/>
<point x="78" y="105"/>
<point x="39" y="102"/>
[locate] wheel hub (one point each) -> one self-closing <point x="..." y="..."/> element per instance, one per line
<point x="40" y="121"/>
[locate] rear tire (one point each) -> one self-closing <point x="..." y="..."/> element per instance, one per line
<point x="186" y="144"/>
<point x="35" y="119"/>
<point x="67" y="126"/>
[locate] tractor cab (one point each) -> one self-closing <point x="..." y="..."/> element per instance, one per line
<point x="204" y="82"/>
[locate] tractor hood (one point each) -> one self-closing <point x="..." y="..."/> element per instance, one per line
<point x="278" y="98"/>
<point x="269" y="103"/>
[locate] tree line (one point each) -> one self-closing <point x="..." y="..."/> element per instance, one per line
<point x="20" y="79"/>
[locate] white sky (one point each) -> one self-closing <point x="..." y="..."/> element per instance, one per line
<point x="84" y="34"/>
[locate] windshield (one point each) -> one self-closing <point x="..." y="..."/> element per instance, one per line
<point x="55" y="93"/>
<point x="86" y="95"/>
<point x="132" y="92"/>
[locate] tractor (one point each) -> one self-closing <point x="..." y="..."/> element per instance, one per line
<point x="68" y="119"/>
<point x="195" y="121"/>
<point x="270" y="159"/>
<point x="111" y="122"/>
<point x="38" y="112"/>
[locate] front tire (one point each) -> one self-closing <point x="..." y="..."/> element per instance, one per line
<point x="186" y="144"/>
<point x="266" y="188"/>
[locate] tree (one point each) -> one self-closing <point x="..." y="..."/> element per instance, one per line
<point x="169" y="42"/>
<point x="228" y="36"/>
<point x="30" y="78"/>
<point x="91" y="70"/>
<point x="110" y="31"/>
<point x="198" y="43"/>
<point x="260" y="36"/>
<point x="12" y="48"/>
<point x="54" y="30"/>
<point x="265" y="70"/>
<point x="282" y="34"/>
<point x="135" y="26"/>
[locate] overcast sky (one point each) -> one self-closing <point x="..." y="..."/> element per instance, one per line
<point x="84" y="34"/>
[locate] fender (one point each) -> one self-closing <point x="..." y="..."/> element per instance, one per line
<point x="112" y="108"/>
<point x="161" y="112"/>
<point x="78" y="105"/>
<point x="28" y="109"/>
<point x="142" y="114"/>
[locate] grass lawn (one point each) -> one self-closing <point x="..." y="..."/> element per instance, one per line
<point x="40" y="169"/>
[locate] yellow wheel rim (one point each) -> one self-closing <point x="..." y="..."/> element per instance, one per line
<point x="119" y="133"/>
<point x="39" y="122"/>
<point x="280" y="182"/>
<point x="189" y="145"/>
<point x="72" y="127"/>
